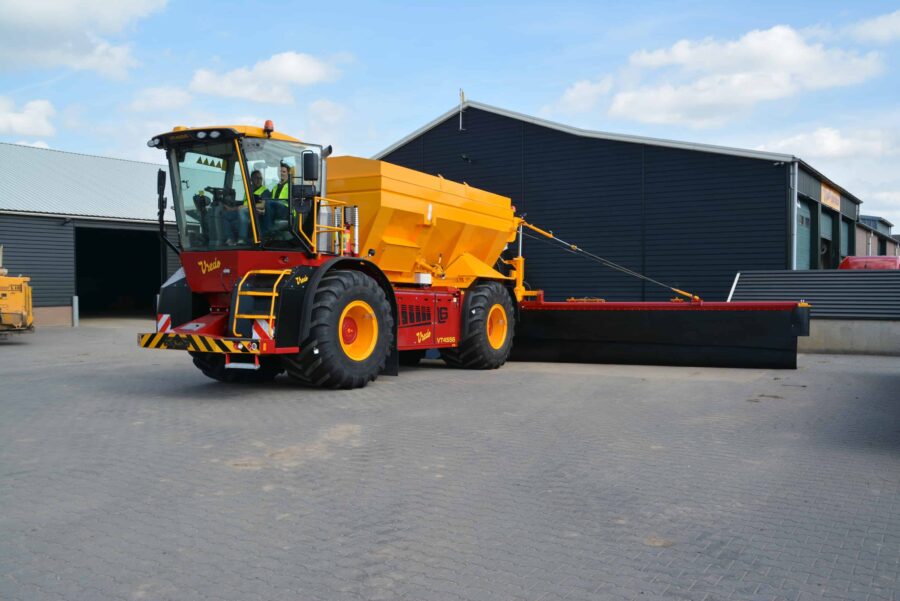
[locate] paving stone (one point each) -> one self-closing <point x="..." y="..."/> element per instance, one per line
<point x="125" y="474"/>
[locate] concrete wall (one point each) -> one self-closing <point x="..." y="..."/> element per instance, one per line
<point x="865" y="337"/>
<point x="864" y="242"/>
<point x="52" y="316"/>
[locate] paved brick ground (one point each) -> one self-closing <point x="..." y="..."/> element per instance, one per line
<point x="124" y="474"/>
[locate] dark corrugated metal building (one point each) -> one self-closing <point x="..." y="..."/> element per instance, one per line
<point x="84" y="229"/>
<point x="690" y="215"/>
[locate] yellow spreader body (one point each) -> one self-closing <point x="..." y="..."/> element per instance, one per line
<point x="412" y="224"/>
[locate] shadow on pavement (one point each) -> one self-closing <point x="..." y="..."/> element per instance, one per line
<point x="871" y="421"/>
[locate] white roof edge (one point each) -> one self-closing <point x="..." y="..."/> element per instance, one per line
<point x="73" y="217"/>
<point x="82" y="154"/>
<point x="586" y="133"/>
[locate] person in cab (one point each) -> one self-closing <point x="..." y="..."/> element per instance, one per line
<point x="237" y="218"/>
<point x="278" y="207"/>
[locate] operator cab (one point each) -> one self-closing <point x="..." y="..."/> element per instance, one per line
<point x="242" y="187"/>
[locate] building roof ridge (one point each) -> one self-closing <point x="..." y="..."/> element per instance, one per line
<point x="82" y="154"/>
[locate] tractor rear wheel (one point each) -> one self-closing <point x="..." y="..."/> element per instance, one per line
<point x="213" y="366"/>
<point x="490" y="323"/>
<point x="350" y="335"/>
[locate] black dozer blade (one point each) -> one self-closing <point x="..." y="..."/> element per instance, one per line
<point x="753" y="335"/>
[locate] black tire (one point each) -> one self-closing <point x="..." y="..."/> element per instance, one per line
<point x="323" y="360"/>
<point x="411" y="358"/>
<point x="475" y="350"/>
<point x="213" y="366"/>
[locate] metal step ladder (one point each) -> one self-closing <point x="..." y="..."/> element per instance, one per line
<point x="263" y="324"/>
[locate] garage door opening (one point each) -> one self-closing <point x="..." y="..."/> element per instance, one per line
<point x="117" y="272"/>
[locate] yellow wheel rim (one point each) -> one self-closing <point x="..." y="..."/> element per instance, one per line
<point x="497" y="325"/>
<point x="358" y="330"/>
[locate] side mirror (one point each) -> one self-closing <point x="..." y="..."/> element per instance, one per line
<point x="161" y="189"/>
<point x="310" y="166"/>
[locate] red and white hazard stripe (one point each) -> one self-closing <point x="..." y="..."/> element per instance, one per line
<point x="261" y="330"/>
<point x="163" y="322"/>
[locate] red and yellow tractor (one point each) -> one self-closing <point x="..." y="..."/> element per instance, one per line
<point x="338" y="269"/>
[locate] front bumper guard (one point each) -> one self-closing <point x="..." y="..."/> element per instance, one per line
<point x="199" y="343"/>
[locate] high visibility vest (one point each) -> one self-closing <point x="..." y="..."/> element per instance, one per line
<point x="258" y="193"/>
<point x="281" y="192"/>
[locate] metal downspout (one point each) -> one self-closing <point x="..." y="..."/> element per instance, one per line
<point x="793" y="213"/>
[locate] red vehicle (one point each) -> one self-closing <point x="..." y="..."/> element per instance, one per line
<point x="870" y="263"/>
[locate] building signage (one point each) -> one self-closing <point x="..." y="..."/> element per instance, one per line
<point x="831" y="197"/>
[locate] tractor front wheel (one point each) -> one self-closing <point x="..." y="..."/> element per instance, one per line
<point x="350" y="334"/>
<point x="488" y="332"/>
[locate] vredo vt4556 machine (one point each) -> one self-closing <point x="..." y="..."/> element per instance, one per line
<point x="338" y="269"/>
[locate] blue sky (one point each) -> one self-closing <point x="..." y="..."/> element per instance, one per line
<point x="819" y="80"/>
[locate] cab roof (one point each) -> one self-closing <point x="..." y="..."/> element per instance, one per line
<point x="248" y="131"/>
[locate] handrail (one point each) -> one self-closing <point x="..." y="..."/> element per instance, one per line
<point x="322" y="228"/>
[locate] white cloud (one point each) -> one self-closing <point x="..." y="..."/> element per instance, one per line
<point x="270" y="80"/>
<point x="884" y="201"/>
<point x="69" y="33"/>
<point x="327" y="112"/>
<point x="101" y="15"/>
<point x="892" y="197"/>
<point x="709" y="82"/>
<point x="159" y="99"/>
<point x="327" y="123"/>
<point x="830" y="143"/>
<point x="32" y="120"/>
<point x="37" y="144"/>
<point x="856" y="155"/>
<point x="581" y="97"/>
<point x="881" y="30"/>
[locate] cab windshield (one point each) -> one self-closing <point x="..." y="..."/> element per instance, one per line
<point x="211" y="199"/>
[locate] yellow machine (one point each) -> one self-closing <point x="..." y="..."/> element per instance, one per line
<point x="16" y="313"/>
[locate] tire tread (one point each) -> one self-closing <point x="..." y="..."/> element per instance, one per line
<point x="329" y="368"/>
<point x="474" y="351"/>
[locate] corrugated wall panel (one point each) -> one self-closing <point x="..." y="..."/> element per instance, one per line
<point x="838" y="294"/>
<point x="705" y="216"/>
<point x="588" y="192"/>
<point x="848" y="207"/>
<point x="809" y="185"/>
<point x="44" y="249"/>
<point x="173" y="262"/>
<point x="492" y="146"/>
<point x="410" y="155"/>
